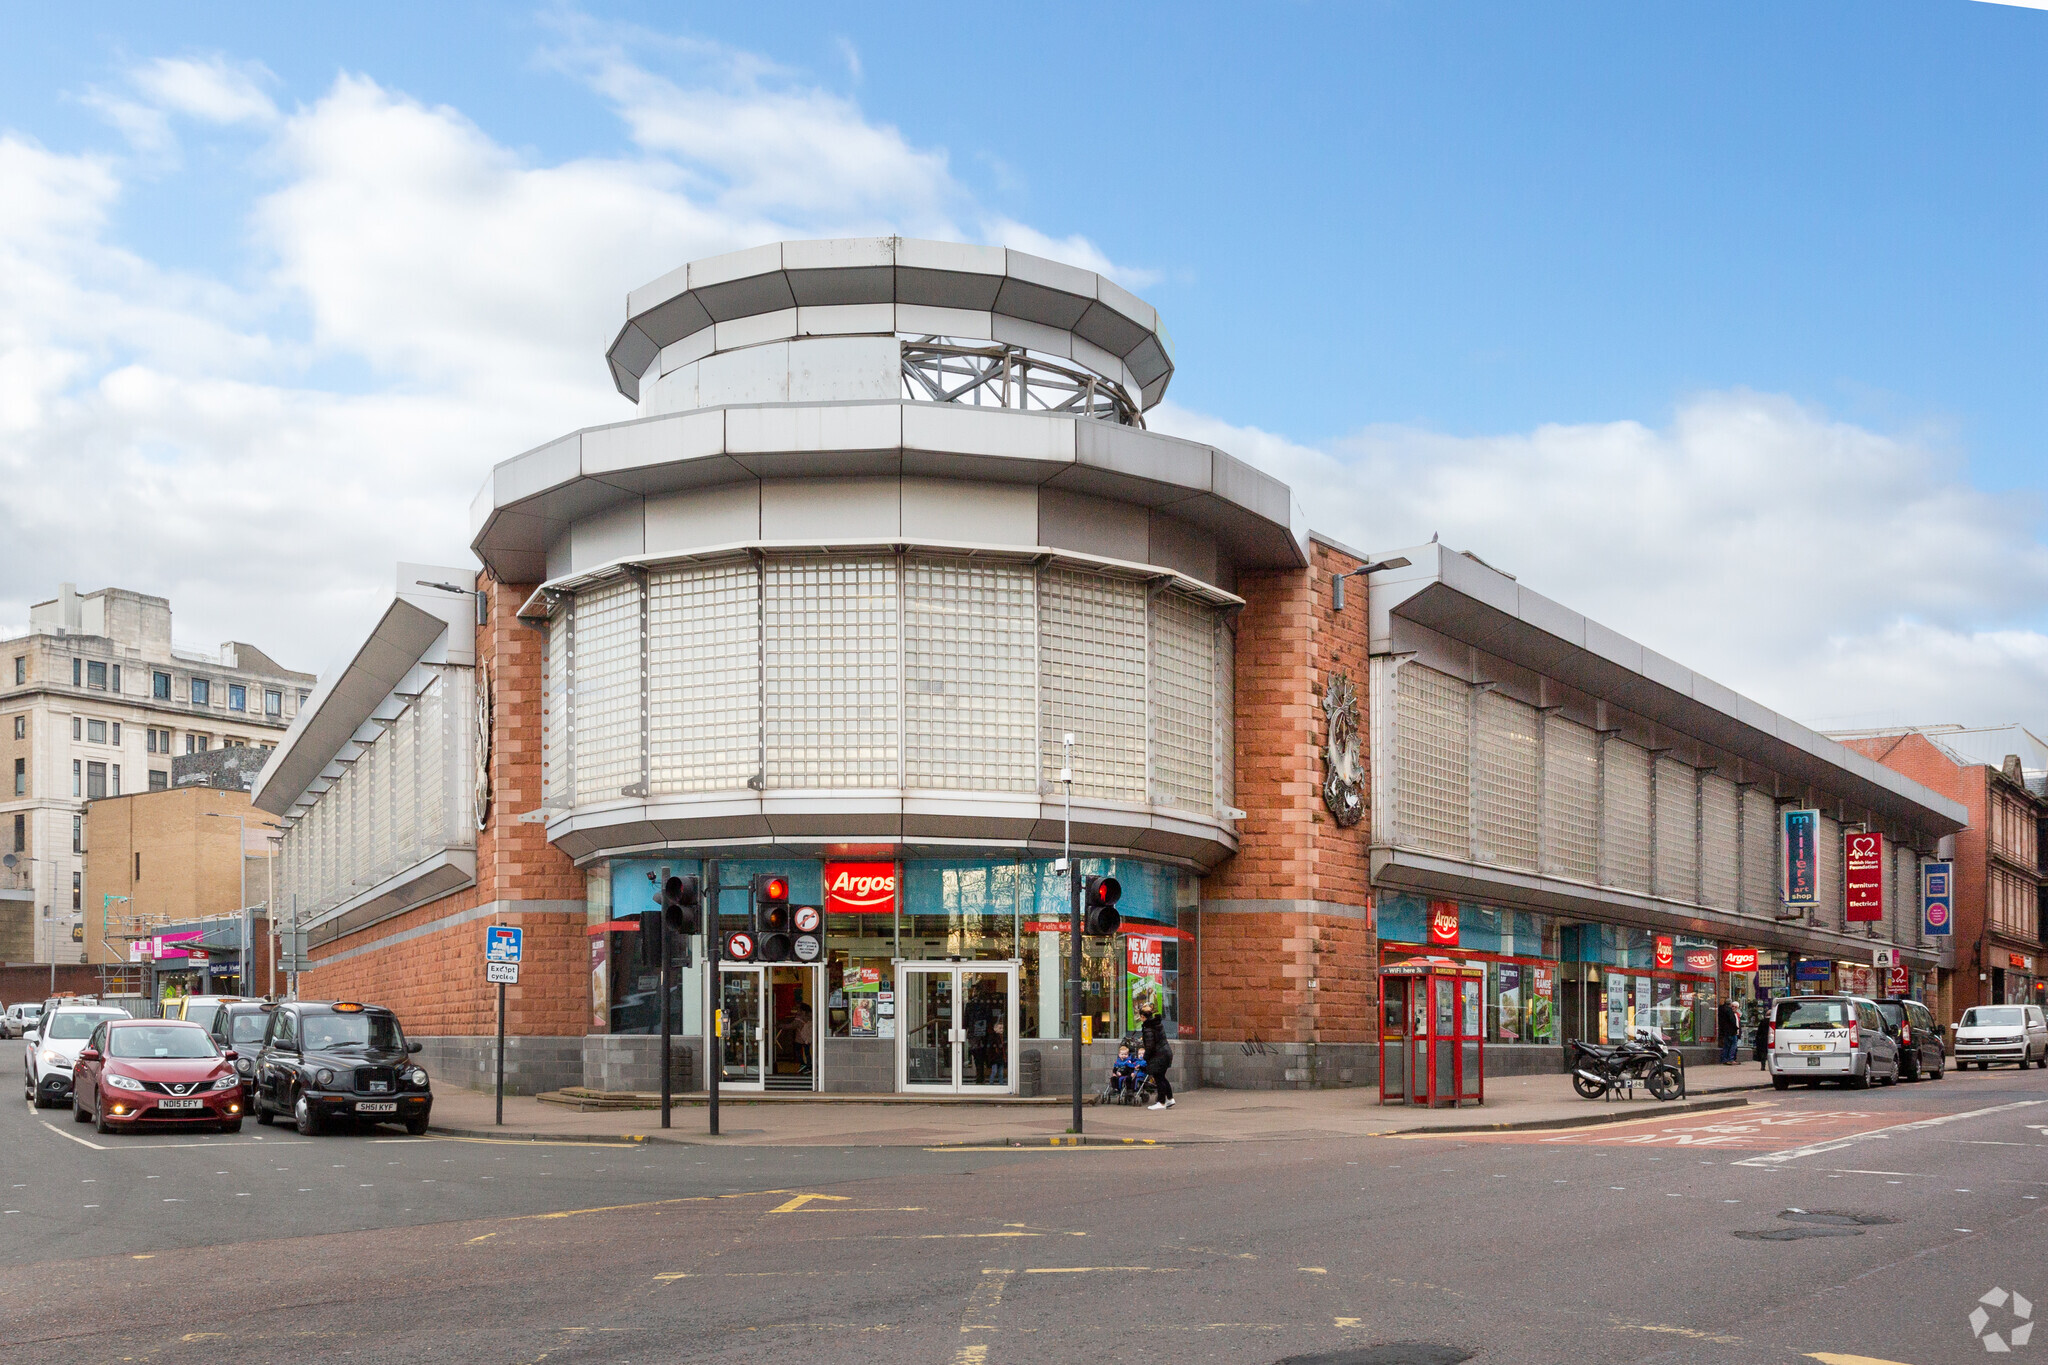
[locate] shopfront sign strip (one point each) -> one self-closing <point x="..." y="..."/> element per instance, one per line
<point x="860" y="888"/>
<point x="1738" y="959"/>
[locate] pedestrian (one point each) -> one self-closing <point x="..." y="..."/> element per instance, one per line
<point x="1158" y="1053"/>
<point x="1729" y="1020"/>
<point x="1763" y="1034"/>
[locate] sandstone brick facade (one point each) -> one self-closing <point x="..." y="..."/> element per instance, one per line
<point x="427" y="964"/>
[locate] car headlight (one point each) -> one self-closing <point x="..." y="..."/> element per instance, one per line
<point x="245" y="1066"/>
<point x="228" y="1082"/>
<point x="121" y="1082"/>
<point x="52" y="1057"/>
<point x="324" y="1077"/>
<point x="416" y="1078"/>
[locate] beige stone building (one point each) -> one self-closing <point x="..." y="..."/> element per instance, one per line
<point x="94" y="702"/>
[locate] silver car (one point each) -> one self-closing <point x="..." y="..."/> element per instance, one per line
<point x="2002" y="1033"/>
<point x="1842" y="1038"/>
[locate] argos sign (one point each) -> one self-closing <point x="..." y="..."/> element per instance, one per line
<point x="860" y="888"/>
<point x="1443" y="924"/>
<point x="1738" y="959"/>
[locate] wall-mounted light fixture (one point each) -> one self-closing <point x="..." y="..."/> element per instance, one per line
<point x="1337" y="580"/>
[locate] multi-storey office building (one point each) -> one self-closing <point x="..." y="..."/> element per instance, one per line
<point x="887" y="529"/>
<point x="94" y="702"/>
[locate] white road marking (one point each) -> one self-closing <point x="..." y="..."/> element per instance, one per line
<point x="1837" y="1144"/>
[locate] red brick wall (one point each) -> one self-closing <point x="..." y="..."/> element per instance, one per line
<point x="1257" y="966"/>
<point x="435" y="981"/>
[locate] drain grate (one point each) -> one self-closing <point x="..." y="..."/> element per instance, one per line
<point x="1816" y="1223"/>
<point x="1391" y="1353"/>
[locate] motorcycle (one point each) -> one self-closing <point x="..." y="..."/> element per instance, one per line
<point x="1645" y="1060"/>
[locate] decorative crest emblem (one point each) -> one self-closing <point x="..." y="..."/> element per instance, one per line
<point x="1341" y="768"/>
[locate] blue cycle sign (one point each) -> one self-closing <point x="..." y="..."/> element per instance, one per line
<point x="503" y="943"/>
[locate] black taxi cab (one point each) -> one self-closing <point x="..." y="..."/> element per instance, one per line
<point x="339" y="1064"/>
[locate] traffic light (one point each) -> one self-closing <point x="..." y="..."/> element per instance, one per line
<point x="1099" y="896"/>
<point x="682" y="905"/>
<point x="772" y="919"/>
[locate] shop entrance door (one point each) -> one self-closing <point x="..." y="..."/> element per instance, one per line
<point x="956" y="1027"/>
<point x="770" y="1026"/>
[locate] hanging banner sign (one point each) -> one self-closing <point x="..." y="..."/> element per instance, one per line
<point x="1897" y="981"/>
<point x="1738" y="959"/>
<point x="1937" y="899"/>
<point x="1664" y="957"/>
<point x="1863" y="873"/>
<point x="1443" y="924"/>
<point x="1799" y="832"/>
<point x="860" y="888"/>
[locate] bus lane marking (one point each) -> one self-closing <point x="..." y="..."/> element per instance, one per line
<point x="1774" y="1159"/>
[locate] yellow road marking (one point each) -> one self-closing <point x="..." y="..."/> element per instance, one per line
<point x="976" y="1354"/>
<point x="1346" y="1322"/>
<point x="793" y="1205"/>
<point x="1095" y="1270"/>
<point x="1836" y="1358"/>
<point x="485" y="1238"/>
<point x="145" y="1256"/>
<point x="1311" y="1270"/>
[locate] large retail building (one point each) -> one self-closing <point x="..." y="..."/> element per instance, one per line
<point x="886" y="528"/>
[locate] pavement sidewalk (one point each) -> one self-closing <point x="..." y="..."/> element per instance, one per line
<point x="1205" y="1115"/>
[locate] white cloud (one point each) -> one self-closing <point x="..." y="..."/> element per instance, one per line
<point x="1840" y="575"/>
<point x="175" y="433"/>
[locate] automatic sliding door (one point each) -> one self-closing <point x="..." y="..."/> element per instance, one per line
<point x="740" y="999"/>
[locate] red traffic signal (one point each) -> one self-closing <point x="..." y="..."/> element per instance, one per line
<point x="771" y="918"/>
<point x="1099" y="917"/>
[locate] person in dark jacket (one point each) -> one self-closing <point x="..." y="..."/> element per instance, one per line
<point x="1158" y="1053"/>
<point x="1729" y="1020"/>
<point x="1763" y="1032"/>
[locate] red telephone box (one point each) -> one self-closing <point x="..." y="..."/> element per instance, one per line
<point x="1432" y="1033"/>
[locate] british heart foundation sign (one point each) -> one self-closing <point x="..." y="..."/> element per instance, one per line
<point x="1863" y="868"/>
<point x="1443" y="924"/>
<point x="860" y="888"/>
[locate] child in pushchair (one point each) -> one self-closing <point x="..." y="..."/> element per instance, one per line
<point x="1127" y="1077"/>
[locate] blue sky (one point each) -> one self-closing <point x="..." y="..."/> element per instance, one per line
<point x="1764" y="280"/>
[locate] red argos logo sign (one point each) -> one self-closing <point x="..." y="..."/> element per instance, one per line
<point x="1738" y="959"/>
<point x="1443" y="924"/>
<point x="1663" y="952"/>
<point x="860" y="888"/>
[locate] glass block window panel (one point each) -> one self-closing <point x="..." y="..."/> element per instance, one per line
<point x="404" y="741"/>
<point x="557" y="776"/>
<point x="1433" y="751"/>
<point x="1092" y="675"/>
<point x="1504" y="783"/>
<point x="1226" y="713"/>
<point x="704" y="677"/>
<point x="1571" y="800"/>
<point x="1759" y="853"/>
<point x="1183" y="703"/>
<point x="374" y="767"/>
<point x="831" y="668"/>
<point x="1719" y="819"/>
<point x="970" y="676"/>
<point x="1834" y="907"/>
<point x="1678" y="831"/>
<point x="1906" y="879"/>
<point x="1624" y="816"/>
<point x="607" y="699"/>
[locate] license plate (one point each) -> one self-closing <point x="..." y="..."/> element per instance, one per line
<point x="181" y="1104"/>
<point x="1813" y="1047"/>
<point x="376" y="1106"/>
<point x="1813" y="1061"/>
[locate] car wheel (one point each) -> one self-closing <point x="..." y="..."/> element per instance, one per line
<point x="417" y="1127"/>
<point x="78" y="1114"/>
<point x="1858" y="1082"/>
<point x="99" y="1119"/>
<point x="1781" y="1083"/>
<point x="302" y="1114"/>
<point x="263" y="1115"/>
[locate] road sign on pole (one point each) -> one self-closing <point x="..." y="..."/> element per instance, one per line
<point x="503" y="943"/>
<point x="502" y="973"/>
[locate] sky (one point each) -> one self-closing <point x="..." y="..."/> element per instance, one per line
<point x="1722" y="323"/>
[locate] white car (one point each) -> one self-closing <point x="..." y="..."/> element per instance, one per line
<point x="2002" y="1033"/>
<point x="46" y="1079"/>
<point x="19" y="1019"/>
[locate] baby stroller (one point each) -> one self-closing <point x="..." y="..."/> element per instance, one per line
<point x="1141" y="1088"/>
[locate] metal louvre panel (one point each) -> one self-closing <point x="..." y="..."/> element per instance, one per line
<point x="1571" y="800"/>
<point x="1678" y="831"/>
<point x="457" y="687"/>
<point x="1759" y="854"/>
<point x="1226" y="714"/>
<point x="1834" y="908"/>
<point x="607" y="691"/>
<point x="1504" y="783"/>
<point x="1183" y="698"/>
<point x="704" y="678"/>
<point x="1092" y="642"/>
<point x="1625" y="816"/>
<point x="556" y="791"/>
<point x="970" y="676"/>
<point x="1906" y="883"/>
<point x="375" y="767"/>
<point x="1719" y="816"/>
<point x="1433" y="748"/>
<point x="831" y="669"/>
<point x="404" y="739"/>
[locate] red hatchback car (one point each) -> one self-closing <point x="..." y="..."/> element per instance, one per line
<point x="155" y="1071"/>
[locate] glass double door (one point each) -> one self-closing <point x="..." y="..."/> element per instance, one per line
<point x="769" y="1018"/>
<point x="956" y="1027"/>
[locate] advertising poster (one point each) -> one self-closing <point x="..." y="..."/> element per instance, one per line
<point x="1617" y="1008"/>
<point x="600" y="984"/>
<point x="1541" y="1009"/>
<point x="1863" y="872"/>
<point x="1937" y="899"/>
<point x="1510" y="1021"/>
<point x="863" y="997"/>
<point x="1800" y="833"/>
<point x="1144" y="973"/>
<point x="1642" y="1017"/>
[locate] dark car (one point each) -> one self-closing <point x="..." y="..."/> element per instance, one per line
<point x="239" y="1026"/>
<point x="338" y="1063"/>
<point x="1922" y="1054"/>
